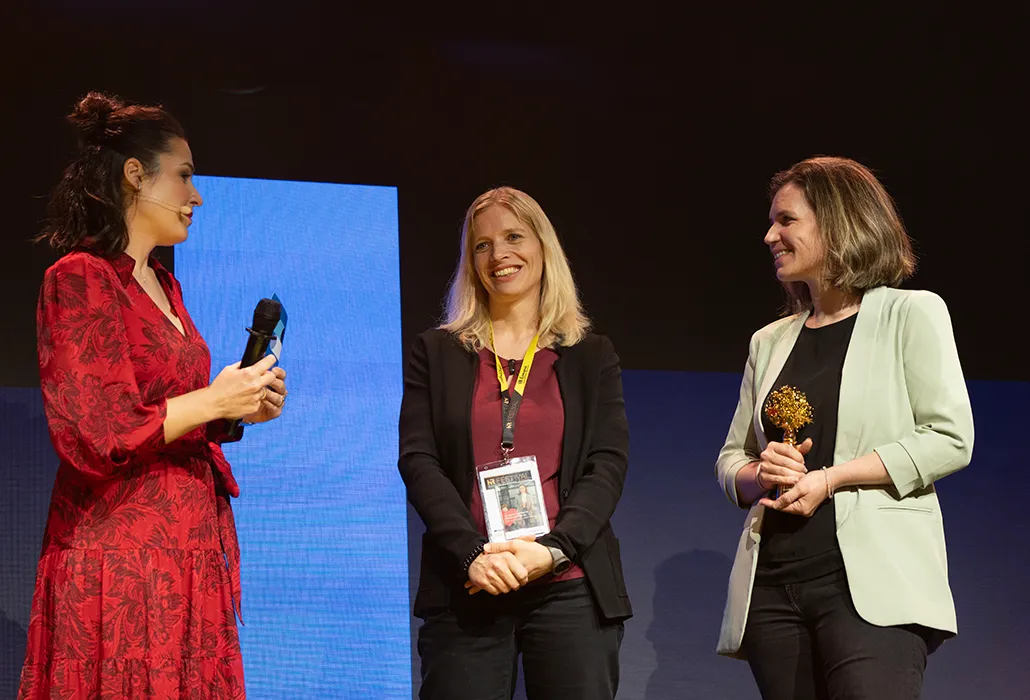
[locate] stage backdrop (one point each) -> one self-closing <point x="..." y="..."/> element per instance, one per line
<point x="321" y="511"/>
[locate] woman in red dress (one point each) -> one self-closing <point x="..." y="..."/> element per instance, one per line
<point x="137" y="589"/>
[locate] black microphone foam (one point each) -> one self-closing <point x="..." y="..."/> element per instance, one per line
<point x="266" y="315"/>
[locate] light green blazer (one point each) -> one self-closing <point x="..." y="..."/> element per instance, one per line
<point x="903" y="396"/>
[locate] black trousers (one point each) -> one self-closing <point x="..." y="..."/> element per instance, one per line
<point x="805" y="641"/>
<point x="567" y="651"/>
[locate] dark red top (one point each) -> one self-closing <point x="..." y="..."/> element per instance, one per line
<point x="133" y="596"/>
<point x="539" y="428"/>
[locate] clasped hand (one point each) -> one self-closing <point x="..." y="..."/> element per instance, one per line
<point x="783" y="466"/>
<point x="504" y="567"/>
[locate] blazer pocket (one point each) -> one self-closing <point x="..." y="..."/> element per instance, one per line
<point x="923" y="510"/>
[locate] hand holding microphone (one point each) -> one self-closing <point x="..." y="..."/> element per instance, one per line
<point x="273" y="402"/>
<point x="241" y="391"/>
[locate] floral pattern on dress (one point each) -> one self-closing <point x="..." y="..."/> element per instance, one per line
<point x="137" y="590"/>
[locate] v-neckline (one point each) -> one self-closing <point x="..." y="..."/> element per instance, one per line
<point x="180" y="331"/>
<point x="171" y="306"/>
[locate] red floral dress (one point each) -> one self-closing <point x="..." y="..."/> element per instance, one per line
<point x="139" y="571"/>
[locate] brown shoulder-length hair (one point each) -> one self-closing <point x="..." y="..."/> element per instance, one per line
<point x="562" y="319"/>
<point x="865" y="240"/>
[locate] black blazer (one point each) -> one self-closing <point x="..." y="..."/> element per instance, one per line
<point x="436" y="463"/>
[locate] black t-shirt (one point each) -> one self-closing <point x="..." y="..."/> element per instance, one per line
<point x="795" y="548"/>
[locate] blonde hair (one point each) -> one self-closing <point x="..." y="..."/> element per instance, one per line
<point x="562" y="320"/>
<point x="866" y="242"/>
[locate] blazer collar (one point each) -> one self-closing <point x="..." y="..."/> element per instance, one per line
<point x="858" y="363"/>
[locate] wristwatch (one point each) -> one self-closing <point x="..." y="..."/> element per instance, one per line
<point x="561" y="562"/>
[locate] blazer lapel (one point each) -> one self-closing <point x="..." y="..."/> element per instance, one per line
<point x="462" y="380"/>
<point x="858" y="363"/>
<point x="776" y="361"/>
<point x="572" y="433"/>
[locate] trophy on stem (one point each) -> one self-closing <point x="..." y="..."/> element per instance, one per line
<point x="789" y="410"/>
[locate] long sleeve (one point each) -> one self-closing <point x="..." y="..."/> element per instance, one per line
<point x="741" y="445"/>
<point x="942" y="441"/>
<point x="432" y="493"/>
<point x="592" y="500"/>
<point x="98" y="420"/>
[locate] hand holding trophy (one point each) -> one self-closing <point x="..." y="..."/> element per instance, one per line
<point x="789" y="410"/>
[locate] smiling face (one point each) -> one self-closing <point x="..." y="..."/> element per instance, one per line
<point x="794" y="239"/>
<point x="166" y="195"/>
<point x="507" y="255"/>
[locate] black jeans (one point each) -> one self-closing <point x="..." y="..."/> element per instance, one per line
<point x="567" y="652"/>
<point x="806" y="641"/>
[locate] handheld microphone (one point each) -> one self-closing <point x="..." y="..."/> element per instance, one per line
<point x="181" y="211"/>
<point x="266" y="316"/>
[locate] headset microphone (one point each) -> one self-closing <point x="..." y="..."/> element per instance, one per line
<point x="182" y="211"/>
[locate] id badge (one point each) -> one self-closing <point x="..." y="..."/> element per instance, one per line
<point x="513" y="499"/>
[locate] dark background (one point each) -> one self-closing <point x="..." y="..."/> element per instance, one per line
<point x="648" y="134"/>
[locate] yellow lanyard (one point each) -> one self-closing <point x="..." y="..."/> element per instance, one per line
<point x="512" y="400"/>
<point x="527" y="364"/>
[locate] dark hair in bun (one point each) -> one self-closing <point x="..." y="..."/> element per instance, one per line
<point x="87" y="208"/>
<point x="92" y="115"/>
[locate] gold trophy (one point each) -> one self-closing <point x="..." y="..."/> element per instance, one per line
<point x="788" y="409"/>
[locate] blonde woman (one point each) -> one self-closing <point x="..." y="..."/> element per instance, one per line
<point x="558" y="600"/>
<point x="840" y="585"/>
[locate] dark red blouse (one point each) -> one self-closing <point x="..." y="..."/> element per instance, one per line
<point x="539" y="428"/>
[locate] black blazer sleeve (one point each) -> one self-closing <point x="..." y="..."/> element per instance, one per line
<point x="591" y="501"/>
<point x="430" y="490"/>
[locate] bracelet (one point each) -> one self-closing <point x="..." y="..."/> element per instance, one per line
<point x="829" y="489"/>
<point x="473" y="555"/>
<point x="758" y="478"/>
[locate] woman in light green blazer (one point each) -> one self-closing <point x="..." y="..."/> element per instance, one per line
<point x="839" y="586"/>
